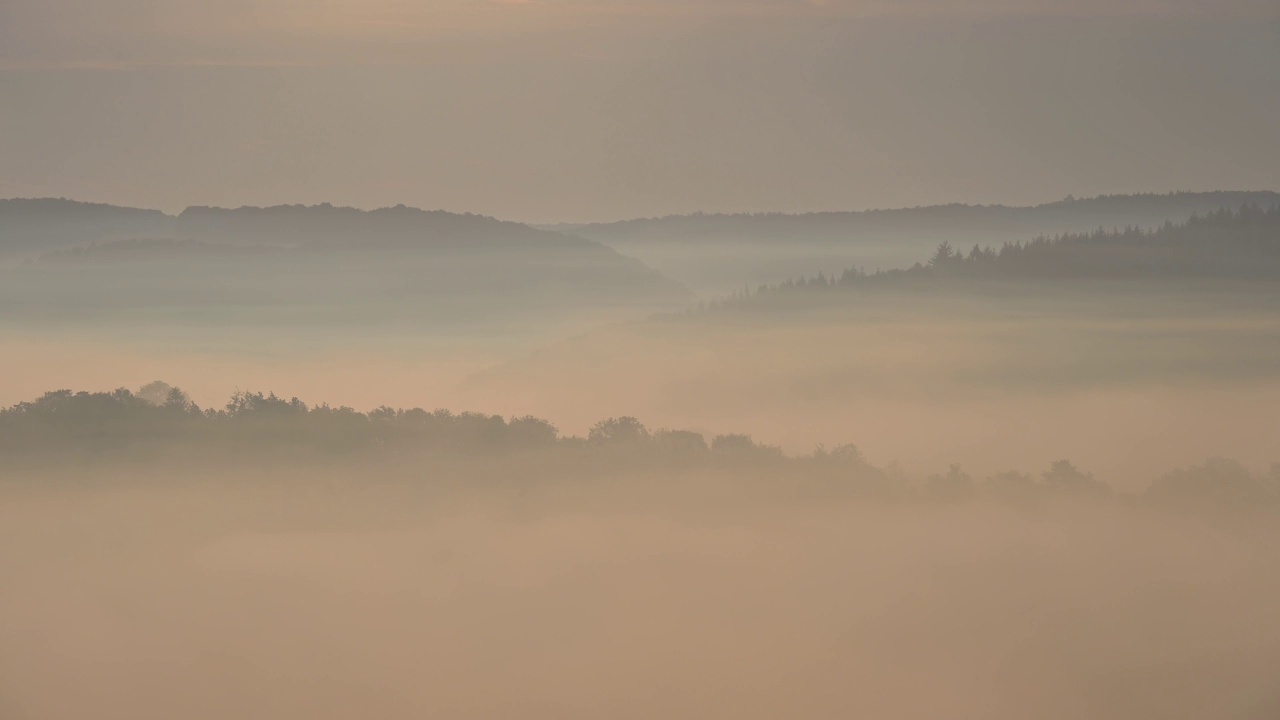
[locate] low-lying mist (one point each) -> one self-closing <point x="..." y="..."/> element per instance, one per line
<point x="1130" y="379"/>
<point x="374" y="590"/>
<point x="272" y="559"/>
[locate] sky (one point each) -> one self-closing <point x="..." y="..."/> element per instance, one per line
<point x="583" y="110"/>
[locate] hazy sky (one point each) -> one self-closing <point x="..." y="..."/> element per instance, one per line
<point x="546" y="110"/>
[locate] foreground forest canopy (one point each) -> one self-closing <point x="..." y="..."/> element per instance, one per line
<point x="160" y="422"/>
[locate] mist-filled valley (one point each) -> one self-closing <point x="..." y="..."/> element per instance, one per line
<point x="249" y="295"/>
<point x="720" y="253"/>
<point x="658" y="359"/>
<point x="299" y="266"/>
<point x="410" y="463"/>
<point x="710" y="359"/>
<point x="1132" y="350"/>
<point x="271" y="559"/>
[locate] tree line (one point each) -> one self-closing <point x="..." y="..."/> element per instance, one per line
<point x="158" y="420"/>
<point x="1241" y="244"/>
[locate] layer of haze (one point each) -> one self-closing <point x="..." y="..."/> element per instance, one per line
<point x="574" y="111"/>
<point x="142" y="578"/>
<point x="1127" y="384"/>
<point x="284" y="596"/>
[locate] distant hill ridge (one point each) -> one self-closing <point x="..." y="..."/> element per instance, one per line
<point x="34" y="226"/>
<point x="37" y="225"/>
<point x="1067" y="215"/>
<point x="1223" y="245"/>
<point x="331" y="225"/>
<point x="393" y="262"/>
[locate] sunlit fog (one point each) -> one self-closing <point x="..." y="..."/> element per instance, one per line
<point x="557" y="359"/>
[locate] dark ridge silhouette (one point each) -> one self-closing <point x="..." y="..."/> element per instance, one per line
<point x="1239" y="244"/>
<point x="716" y="254"/>
<point x="160" y="421"/>
<point x="45" y="224"/>
<point x="30" y="226"/>
<point x="1068" y="215"/>
<point x="711" y="253"/>
<point x="329" y="262"/>
<point x="396" y="227"/>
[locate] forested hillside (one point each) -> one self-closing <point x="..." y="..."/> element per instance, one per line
<point x="1069" y="215"/>
<point x="1183" y="322"/>
<point x="1239" y="244"/>
<point x="325" y="264"/>
<point x="718" y="253"/>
